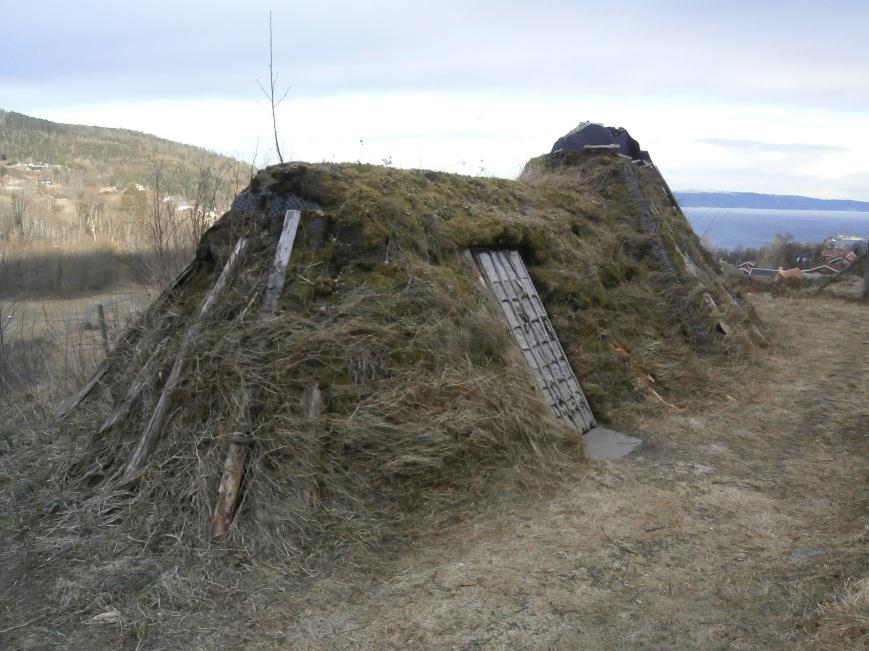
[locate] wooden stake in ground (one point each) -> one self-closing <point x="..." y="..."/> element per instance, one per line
<point x="104" y="331"/>
<point x="227" y="493"/>
<point x="233" y="467"/>
<point x="152" y="432"/>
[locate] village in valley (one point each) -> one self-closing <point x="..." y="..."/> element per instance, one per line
<point x="833" y="257"/>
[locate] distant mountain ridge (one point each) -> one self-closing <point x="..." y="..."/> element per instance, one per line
<point x="766" y="201"/>
<point x="116" y="156"/>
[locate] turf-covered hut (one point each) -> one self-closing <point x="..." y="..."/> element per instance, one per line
<point x="353" y="345"/>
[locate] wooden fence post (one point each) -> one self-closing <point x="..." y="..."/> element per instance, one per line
<point x="104" y="331"/>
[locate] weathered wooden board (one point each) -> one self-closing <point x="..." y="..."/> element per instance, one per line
<point x="278" y="273"/>
<point x="233" y="469"/>
<point x="155" y="424"/>
<point x="507" y="277"/>
<point x="75" y="400"/>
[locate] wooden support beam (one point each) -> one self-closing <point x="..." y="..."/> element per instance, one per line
<point x="76" y="399"/>
<point x="134" y="392"/>
<point x="236" y="457"/>
<point x="149" y="437"/>
<point x="278" y="274"/>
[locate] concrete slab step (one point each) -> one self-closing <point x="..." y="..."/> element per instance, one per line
<point x="602" y="443"/>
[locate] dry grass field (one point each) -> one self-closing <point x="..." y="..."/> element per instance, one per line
<point x="741" y="523"/>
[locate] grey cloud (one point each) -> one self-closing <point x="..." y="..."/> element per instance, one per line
<point x="89" y="51"/>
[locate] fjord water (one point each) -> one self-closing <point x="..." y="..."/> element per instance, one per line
<point x="729" y="228"/>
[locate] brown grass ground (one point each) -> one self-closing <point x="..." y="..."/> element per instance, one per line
<point x="741" y="523"/>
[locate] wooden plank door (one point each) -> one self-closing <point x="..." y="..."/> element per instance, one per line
<point x="508" y="279"/>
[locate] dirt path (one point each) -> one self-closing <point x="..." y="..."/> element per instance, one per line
<point x="723" y="531"/>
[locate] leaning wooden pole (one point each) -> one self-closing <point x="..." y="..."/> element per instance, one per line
<point x="134" y="392"/>
<point x="239" y="449"/>
<point x="152" y="431"/>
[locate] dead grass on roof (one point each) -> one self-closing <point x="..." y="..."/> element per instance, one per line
<point x="426" y="395"/>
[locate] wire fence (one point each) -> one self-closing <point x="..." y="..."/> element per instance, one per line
<point x="48" y="348"/>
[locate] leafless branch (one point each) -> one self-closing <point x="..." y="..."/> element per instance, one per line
<point x="270" y="92"/>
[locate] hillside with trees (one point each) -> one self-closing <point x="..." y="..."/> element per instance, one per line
<point x="86" y="208"/>
<point x="765" y="201"/>
<point x="112" y="156"/>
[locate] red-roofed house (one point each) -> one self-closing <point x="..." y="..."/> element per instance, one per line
<point x="832" y="254"/>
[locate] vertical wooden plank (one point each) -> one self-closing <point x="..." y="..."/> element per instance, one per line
<point x="579" y="405"/>
<point x="104" y="332"/>
<point x="532" y="331"/>
<point x="278" y="273"/>
<point x="518" y="325"/>
<point x="535" y="352"/>
<point x="149" y="437"/>
<point x="515" y="325"/>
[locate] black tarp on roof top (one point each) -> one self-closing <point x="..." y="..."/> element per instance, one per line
<point x="593" y="134"/>
<point x="587" y="133"/>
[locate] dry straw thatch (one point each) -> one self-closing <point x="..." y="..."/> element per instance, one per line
<point x="424" y="395"/>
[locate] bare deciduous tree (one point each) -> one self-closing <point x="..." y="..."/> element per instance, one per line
<point x="270" y="92"/>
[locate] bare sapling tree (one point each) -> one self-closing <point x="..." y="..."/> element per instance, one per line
<point x="271" y="96"/>
<point x="18" y="216"/>
<point x="161" y="234"/>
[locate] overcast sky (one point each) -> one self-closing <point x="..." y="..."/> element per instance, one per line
<point x="753" y="96"/>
